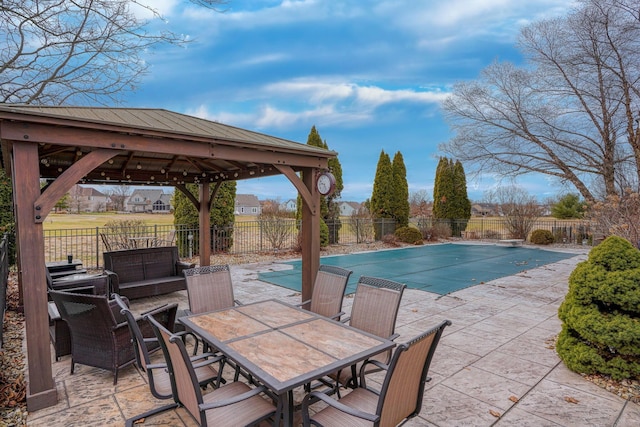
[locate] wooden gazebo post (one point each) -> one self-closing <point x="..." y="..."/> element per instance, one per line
<point x="41" y="391"/>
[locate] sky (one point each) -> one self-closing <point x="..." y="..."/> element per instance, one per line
<point x="369" y="75"/>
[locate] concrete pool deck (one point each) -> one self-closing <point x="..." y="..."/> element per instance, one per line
<point x="495" y="366"/>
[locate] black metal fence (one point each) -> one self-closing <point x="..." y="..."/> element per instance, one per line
<point x="88" y="244"/>
<point x="4" y="279"/>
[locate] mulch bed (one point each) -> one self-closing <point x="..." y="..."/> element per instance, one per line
<point x="13" y="388"/>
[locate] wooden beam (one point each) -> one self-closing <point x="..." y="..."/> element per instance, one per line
<point x="68" y="179"/>
<point x="205" y="224"/>
<point x="198" y="147"/>
<point x="301" y="186"/>
<point x="183" y="188"/>
<point x="310" y="230"/>
<point x="41" y="392"/>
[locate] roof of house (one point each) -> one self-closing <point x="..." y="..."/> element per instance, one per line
<point x="86" y="191"/>
<point x="147" y="195"/>
<point x="247" y="200"/>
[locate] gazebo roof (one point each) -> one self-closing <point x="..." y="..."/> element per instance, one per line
<point x="156" y="146"/>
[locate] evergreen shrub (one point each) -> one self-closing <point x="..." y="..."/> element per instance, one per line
<point x="601" y="312"/>
<point x="541" y="237"/>
<point x="409" y="235"/>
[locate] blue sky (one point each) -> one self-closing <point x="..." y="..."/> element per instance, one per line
<point x="370" y="75"/>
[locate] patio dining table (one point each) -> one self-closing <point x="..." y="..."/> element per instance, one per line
<point x="284" y="346"/>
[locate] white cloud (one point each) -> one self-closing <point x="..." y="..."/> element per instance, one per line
<point x="371" y="96"/>
<point x="149" y="9"/>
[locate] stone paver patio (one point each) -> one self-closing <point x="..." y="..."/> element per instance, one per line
<point x="495" y="366"/>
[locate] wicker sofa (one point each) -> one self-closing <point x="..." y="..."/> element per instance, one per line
<point x="145" y="272"/>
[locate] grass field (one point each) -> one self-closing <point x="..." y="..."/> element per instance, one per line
<point x="73" y="221"/>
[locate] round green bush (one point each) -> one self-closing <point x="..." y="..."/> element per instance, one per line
<point x="601" y="312"/>
<point x="409" y="235"/>
<point x="541" y="237"/>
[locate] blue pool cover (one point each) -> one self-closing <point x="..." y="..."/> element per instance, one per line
<point x="440" y="269"/>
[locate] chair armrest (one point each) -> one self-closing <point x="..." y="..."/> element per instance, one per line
<point x="231" y="401"/>
<point x="363" y="374"/>
<point x="337" y="315"/>
<point x="115" y="309"/>
<point x="345" y="320"/>
<point x="156" y="366"/>
<point x="339" y="406"/>
<point x="207" y="362"/>
<point x="183" y="265"/>
<point x="205" y="355"/>
<point x="114" y="281"/>
<point x="303" y="303"/>
<point x="393" y="337"/>
<point x="155" y="309"/>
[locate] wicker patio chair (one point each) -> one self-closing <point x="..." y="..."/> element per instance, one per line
<point x="375" y="309"/>
<point x="58" y="330"/>
<point x="328" y="291"/>
<point x="100" y="336"/>
<point x="235" y="403"/>
<point x="400" y="397"/>
<point x="158" y="372"/>
<point x="80" y="283"/>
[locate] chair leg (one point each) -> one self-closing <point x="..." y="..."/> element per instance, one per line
<point x="131" y="421"/>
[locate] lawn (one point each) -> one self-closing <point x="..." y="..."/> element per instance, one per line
<point x="89" y="220"/>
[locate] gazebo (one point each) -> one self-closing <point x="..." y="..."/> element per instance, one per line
<point x="68" y="145"/>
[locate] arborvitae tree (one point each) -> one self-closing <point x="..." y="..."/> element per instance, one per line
<point x="442" y="189"/>
<point x="329" y="209"/>
<point x="222" y="216"/>
<point x="461" y="209"/>
<point x="381" y="198"/>
<point x="450" y="200"/>
<point x="332" y="217"/>
<point x="400" y="193"/>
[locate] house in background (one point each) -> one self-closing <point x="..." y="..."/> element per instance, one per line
<point x="247" y="204"/>
<point x="150" y="201"/>
<point x="348" y="208"/>
<point x="290" y="205"/>
<point x="484" y="209"/>
<point x="86" y="199"/>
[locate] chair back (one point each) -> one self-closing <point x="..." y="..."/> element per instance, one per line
<point x="403" y="387"/>
<point x="328" y="290"/>
<point x="85" y="313"/>
<point x="375" y="305"/>
<point x="185" y="385"/>
<point x="209" y="288"/>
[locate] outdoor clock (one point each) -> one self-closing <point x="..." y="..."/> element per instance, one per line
<point x="326" y="183"/>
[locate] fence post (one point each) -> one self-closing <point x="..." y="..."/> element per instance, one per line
<point x="97" y="247"/>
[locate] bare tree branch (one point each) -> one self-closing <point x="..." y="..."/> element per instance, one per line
<point x="570" y="113"/>
<point x="81" y="51"/>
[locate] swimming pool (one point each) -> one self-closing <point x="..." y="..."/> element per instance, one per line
<point x="441" y="268"/>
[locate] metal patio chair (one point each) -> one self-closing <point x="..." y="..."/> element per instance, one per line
<point x="375" y="309"/>
<point x="328" y="291"/>
<point x="400" y="397"/>
<point x="158" y="372"/>
<point x="209" y="288"/>
<point x="235" y="403"/>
